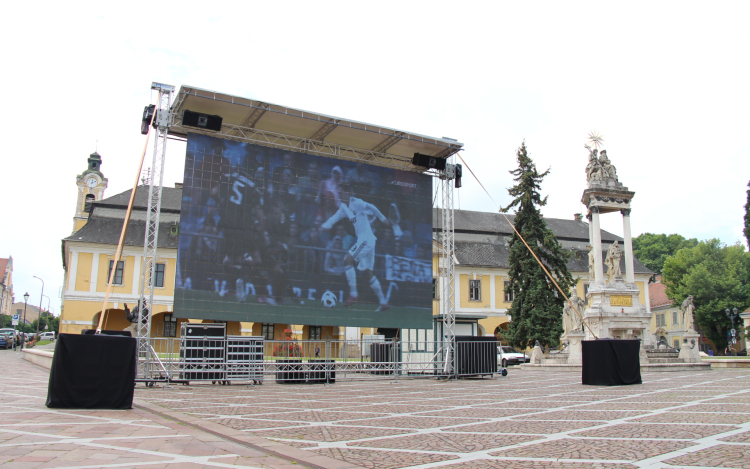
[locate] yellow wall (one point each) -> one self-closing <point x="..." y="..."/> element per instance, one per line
<point x="169" y="278"/>
<point x="580" y="290"/>
<point x="641" y="292"/>
<point x="490" y="324"/>
<point x="83" y="271"/>
<point x="500" y="294"/>
<point x="127" y="276"/>
<point x="464" y="291"/>
<point x="278" y="330"/>
<point x="78" y="224"/>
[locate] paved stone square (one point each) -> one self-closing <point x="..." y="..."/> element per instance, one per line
<point x="529" y="419"/>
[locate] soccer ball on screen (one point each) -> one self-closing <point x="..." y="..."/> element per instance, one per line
<point x="328" y="300"/>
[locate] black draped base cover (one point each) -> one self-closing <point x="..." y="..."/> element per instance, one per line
<point x="611" y="362"/>
<point x="92" y="372"/>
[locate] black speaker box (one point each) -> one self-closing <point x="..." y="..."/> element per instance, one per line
<point x="427" y="161"/>
<point x="202" y="121"/>
<point x="205" y="330"/>
<point x="93" y="332"/>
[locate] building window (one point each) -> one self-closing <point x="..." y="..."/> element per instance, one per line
<point x="159" y="275"/>
<point x="315" y="332"/>
<point x="475" y="290"/>
<point x="661" y="320"/>
<point x="677" y="343"/>
<point x="89" y="200"/>
<point x="585" y="290"/>
<point x="509" y="296"/>
<point x="435" y="289"/>
<point x="170" y="326"/>
<point x="117" y="280"/>
<point x="674" y="318"/>
<point x="267" y="331"/>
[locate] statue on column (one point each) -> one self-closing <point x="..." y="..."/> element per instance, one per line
<point x="600" y="169"/>
<point x="571" y="320"/>
<point x="608" y="169"/>
<point x="687" y="314"/>
<point x="594" y="168"/>
<point x="614" y="254"/>
<point x="592" y="265"/>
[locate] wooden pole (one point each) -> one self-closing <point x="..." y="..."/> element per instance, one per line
<point x="125" y="224"/>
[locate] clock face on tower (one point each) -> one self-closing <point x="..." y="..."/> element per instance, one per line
<point x="91" y="182"/>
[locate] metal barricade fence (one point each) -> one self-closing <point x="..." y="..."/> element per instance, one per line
<point x="476" y="357"/>
<point x="252" y="359"/>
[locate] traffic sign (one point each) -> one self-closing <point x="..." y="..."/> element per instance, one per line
<point x="733" y="332"/>
<point x="14" y="321"/>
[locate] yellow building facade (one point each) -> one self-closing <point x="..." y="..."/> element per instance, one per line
<point x="482" y="268"/>
<point x="481" y="298"/>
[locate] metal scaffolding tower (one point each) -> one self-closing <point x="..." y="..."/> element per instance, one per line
<point x="162" y="121"/>
<point x="446" y="267"/>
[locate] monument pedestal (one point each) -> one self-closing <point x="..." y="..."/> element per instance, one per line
<point x="690" y="351"/>
<point x="615" y="312"/>
<point x="574" y="339"/>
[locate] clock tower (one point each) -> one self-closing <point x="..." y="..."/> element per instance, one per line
<point x="91" y="184"/>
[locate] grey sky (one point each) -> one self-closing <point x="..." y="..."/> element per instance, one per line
<point x="665" y="83"/>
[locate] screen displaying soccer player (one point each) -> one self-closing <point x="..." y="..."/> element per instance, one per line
<point x="288" y="237"/>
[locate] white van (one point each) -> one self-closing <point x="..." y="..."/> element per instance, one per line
<point x="47" y="336"/>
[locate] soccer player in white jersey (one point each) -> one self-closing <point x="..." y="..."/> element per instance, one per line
<point x="362" y="252"/>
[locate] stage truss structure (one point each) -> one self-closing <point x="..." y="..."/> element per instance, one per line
<point x="162" y="121"/>
<point x="168" y="118"/>
<point x="446" y="264"/>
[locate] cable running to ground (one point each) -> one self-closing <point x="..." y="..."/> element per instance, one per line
<point x="583" y="321"/>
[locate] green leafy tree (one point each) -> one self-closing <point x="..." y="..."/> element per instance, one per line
<point x="653" y="249"/>
<point x="747" y="236"/>
<point x="715" y="274"/>
<point x="48" y="320"/>
<point x="536" y="313"/>
<point x="6" y="320"/>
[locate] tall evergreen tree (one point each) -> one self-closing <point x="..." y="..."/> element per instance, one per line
<point x="536" y="313"/>
<point x="747" y="218"/>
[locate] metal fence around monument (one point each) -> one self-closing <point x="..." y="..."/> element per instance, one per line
<point x="252" y="360"/>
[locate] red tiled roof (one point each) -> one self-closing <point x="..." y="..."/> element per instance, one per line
<point x="657" y="293"/>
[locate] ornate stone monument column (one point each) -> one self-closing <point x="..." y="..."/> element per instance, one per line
<point x="628" y="242"/>
<point x="596" y="242"/>
<point x="614" y="308"/>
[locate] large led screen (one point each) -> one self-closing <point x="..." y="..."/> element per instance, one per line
<point x="275" y="236"/>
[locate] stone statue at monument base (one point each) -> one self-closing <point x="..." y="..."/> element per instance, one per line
<point x="572" y="319"/>
<point x="688" y="321"/>
<point x="614" y="254"/>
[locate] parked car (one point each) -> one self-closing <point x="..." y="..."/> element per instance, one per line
<point x="47" y="336"/>
<point x="5" y="342"/>
<point x="507" y="355"/>
<point x="13" y="333"/>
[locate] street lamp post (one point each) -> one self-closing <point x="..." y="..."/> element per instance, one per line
<point x="39" y="318"/>
<point x="46" y="320"/>
<point x="731" y="315"/>
<point x="25" y="301"/>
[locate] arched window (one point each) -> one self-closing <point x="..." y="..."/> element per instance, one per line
<point x="90" y="198"/>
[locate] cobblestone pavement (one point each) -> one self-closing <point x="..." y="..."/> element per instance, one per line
<point x="528" y="419"/>
<point x="33" y="436"/>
